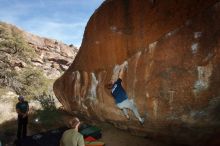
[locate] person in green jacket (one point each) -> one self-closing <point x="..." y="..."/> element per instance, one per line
<point x="72" y="137"/>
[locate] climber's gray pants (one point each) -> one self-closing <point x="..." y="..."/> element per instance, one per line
<point x="128" y="104"/>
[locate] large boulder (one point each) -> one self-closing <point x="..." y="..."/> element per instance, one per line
<point x="172" y="50"/>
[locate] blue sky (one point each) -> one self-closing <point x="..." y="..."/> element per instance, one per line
<point x="63" y="20"/>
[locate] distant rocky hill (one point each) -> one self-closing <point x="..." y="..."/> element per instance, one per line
<point x="29" y="63"/>
<point x="52" y="55"/>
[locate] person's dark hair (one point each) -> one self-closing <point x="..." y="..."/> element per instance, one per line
<point x="74" y="122"/>
<point x="109" y="86"/>
<point x="20" y="97"/>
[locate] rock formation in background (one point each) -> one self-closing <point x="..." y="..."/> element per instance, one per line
<point x="53" y="56"/>
<point x="29" y="64"/>
<point x="28" y="60"/>
<point x="172" y="49"/>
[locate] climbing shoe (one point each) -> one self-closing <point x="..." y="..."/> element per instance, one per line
<point x="141" y="120"/>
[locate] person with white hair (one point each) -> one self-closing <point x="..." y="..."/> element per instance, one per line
<point x="22" y="109"/>
<point x="72" y="137"/>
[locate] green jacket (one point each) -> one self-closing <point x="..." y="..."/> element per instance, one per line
<point x="72" y="137"/>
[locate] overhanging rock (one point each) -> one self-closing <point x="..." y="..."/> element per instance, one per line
<point x="172" y="50"/>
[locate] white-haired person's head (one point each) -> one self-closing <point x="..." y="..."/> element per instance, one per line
<point x="74" y="123"/>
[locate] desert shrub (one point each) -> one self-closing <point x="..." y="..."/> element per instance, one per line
<point x="47" y="101"/>
<point x="33" y="82"/>
<point x="49" y="116"/>
<point x="12" y="42"/>
<point x="29" y="81"/>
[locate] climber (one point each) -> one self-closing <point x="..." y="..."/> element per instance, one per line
<point x="22" y="109"/>
<point x="72" y="137"/>
<point x="120" y="96"/>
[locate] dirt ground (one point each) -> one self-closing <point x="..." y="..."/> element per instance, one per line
<point x="111" y="136"/>
<point x="116" y="137"/>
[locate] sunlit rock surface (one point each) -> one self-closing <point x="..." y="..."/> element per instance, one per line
<point x="172" y="49"/>
<point x="7" y="112"/>
<point x="54" y="56"/>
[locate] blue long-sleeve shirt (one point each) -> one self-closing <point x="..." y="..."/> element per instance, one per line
<point x="118" y="92"/>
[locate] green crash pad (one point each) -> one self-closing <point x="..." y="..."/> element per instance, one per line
<point x="91" y="131"/>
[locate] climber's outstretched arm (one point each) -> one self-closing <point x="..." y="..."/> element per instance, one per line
<point x="121" y="73"/>
<point x="122" y="70"/>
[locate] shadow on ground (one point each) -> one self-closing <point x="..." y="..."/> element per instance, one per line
<point x="47" y="119"/>
<point x="40" y="121"/>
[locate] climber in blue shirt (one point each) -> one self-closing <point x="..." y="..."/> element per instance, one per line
<point x="118" y="92"/>
<point x="120" y="96"/>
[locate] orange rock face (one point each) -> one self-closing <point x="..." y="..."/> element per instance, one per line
<point x="172" y="49"/>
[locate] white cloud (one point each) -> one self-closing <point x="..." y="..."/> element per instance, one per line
<point x="71" y="33"/>
<point x="61" y="20"/>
